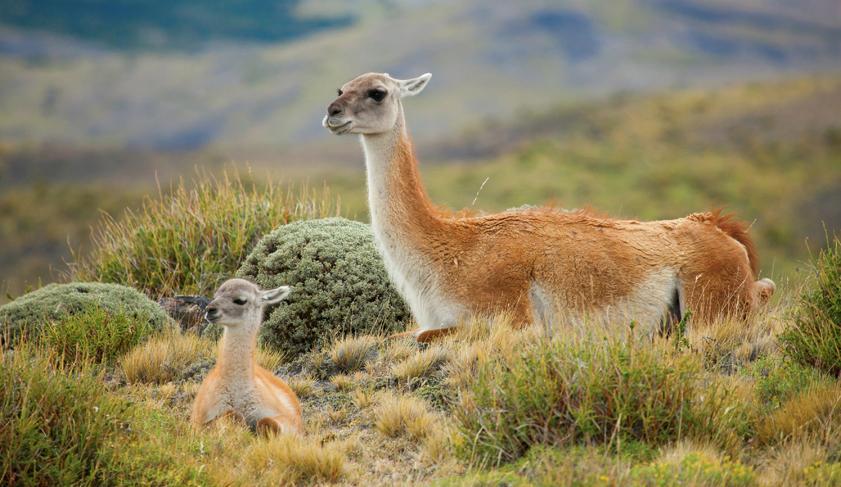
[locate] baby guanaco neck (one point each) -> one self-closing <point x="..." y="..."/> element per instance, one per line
<point x="236" y="361"/>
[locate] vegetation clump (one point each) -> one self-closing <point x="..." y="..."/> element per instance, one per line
<point x="814" y="338"/>
<point x="104" y="319"/>
<point x="573" y="389"/>
<point x="58" y="428"/>
<point x="187" y="240"/>
<point x="339" y="284"/>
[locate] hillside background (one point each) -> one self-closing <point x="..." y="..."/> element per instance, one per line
<point x="638" y="108"/>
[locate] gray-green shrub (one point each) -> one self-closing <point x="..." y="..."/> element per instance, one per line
<point x="339" y="284"/>
<point x="815" y="336"/>
<point x="51" y="305"/>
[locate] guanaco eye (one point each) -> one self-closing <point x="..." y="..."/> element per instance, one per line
<point x="377" y="95"/>
<point x="240" y="301"/>
<point x="339" y="91"/>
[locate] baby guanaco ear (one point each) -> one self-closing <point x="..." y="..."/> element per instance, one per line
<point x="276" y="295"/>
<point x="411" y="87"/>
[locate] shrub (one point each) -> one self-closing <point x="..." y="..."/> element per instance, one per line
<point x="592" y="389"/>
<point x="339" y="284"/>
<point x="187" y="240"/>
<point x="118" y="309"/>
<point x="815" y="337"/>
<point x="58" y="428"/>
<point x="94" y="334"/>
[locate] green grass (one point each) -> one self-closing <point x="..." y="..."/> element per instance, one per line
<point x="593" y="389"/>
<point x="814" y="337"/>
<point x="188" y="240"/>
<point x="59" y="427"/>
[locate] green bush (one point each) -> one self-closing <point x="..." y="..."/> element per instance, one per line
<point x="188" y="240"/>
<point x="593" y="390"/>
<point x="125" y="315"/>
<point x="60" y="428"/>
<point x="339" y="284"/>
<point x="94" y="334"/>
<point x="815" y="336"/>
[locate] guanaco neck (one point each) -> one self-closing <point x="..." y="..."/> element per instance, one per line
<point x="397" y="200"/>
<point x="236" y="360"/>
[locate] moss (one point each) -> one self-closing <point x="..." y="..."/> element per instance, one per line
<point x="339" y="284"/>
<point x="54" y="303"/>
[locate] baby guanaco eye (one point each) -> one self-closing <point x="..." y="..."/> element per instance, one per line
<point x="240" y="301"/>
<point x="339" y="91"/>
<point x="377" y="95"/>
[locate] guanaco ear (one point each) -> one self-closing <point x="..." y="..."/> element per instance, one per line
<point x="411" y="87"/>
<point x="276" y="295"/>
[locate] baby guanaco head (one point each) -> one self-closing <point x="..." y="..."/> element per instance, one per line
<point x="370" y="103"/>
<point x="240" y="303"/>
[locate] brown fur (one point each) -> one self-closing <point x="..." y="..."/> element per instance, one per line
<point x="489" y="261"/>
<point x="736" y="229"/>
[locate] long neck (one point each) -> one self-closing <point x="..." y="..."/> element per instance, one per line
<point x="397" y="199"/>
<point x="236" y="354"/>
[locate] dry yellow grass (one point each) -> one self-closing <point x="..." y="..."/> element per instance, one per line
<point x="343" y="382"/>
<point x="160" y="359"/>
<point x="350" y="353"/>
<point x="302" y="386"/>
<point x="400" y="414"/>
<point x="292" y="460"/>
<point x="816" y="414"/>
<point x="422" y="363"/>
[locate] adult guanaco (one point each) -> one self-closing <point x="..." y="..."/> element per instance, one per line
<point x="534" y="262"/>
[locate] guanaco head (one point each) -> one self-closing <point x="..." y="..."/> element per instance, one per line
<point x="240" y="303"/>
<point x="370" y="103"/>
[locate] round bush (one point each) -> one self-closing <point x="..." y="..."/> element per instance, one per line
<point x="339" y="284"/>
<point x="57" y="302"/>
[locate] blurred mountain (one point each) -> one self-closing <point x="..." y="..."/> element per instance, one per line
<point x="248" y="76"/>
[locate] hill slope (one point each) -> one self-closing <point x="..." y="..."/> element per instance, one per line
<point x="530" y="55"/>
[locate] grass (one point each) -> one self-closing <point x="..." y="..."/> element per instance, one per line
<point x="164" y="358"/>
<point x="187" y="240"/>
<point x="398" y="415"/>
<point x="171" y="356"/>
<point x="564" y="390"/>
<point x="63" y="427"/>
<point x="421" y="364"/>
<point x="814" y="337"/>
<point x="597" y="407"/>
<point x="351" y="353"/>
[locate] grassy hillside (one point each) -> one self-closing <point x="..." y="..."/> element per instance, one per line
<point x="242" y="96"/>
